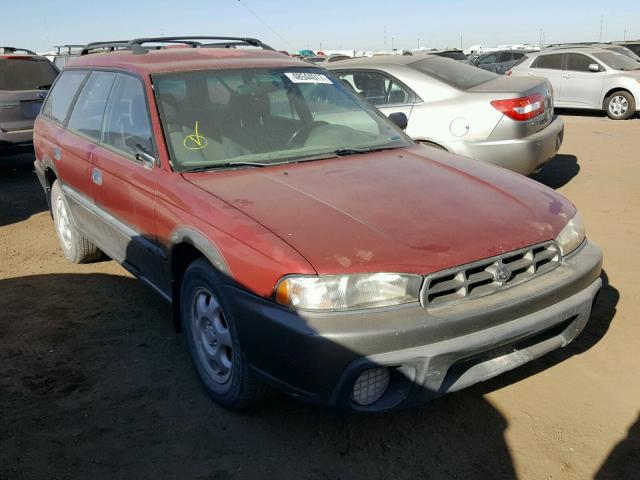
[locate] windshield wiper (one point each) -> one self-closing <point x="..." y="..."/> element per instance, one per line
<point x="341" y="152"/>
<point x="215" y="166"/>
<point x="43" y="87"/>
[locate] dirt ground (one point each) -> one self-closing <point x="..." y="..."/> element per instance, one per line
<point x="94" y="383"/>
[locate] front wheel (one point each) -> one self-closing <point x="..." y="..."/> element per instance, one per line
<point x="75" y="246"/>
<point x="620" y="105"/>
<point x="213" y="341"/>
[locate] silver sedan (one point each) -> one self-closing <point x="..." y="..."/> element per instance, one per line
<point x="500" y="120"/>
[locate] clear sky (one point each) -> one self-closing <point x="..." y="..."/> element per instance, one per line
<point x="40" y="24"/>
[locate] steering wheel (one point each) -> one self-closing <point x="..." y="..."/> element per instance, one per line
<point x="300" y="135"/>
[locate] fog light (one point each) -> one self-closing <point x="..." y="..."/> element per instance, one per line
<point x="370" y="386"/>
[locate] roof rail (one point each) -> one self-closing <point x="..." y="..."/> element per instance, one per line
<point x="15" y="49"/>
<point x="137" y="45"/>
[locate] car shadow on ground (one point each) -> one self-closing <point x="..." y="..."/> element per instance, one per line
<point x="578" y="112"/>
<point x="624" y="459"/>
<point x="559" y="171"/>
<point x="21" y="195"/>
<point x="97" y="384"/>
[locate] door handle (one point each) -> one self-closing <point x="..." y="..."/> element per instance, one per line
<point x="57" y="153"/>
<point x="96" y="176"/>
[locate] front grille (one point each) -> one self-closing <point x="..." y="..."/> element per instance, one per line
<point x="490" y="275"/>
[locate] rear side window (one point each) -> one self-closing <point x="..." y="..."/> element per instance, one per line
<point x="553" y="62"/>
<point x="88" y="112"/>
<point x="456" y="74"/>
<point x="377" y="88"/>
<point x="127" y="122"/>
<point x="63" y="93"/>
<point x="26" y="73"/>
<point x="578" y="62"/>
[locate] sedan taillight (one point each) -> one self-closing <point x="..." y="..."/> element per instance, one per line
<point x="522" y="108"/>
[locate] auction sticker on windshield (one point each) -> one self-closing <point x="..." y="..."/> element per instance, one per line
<point x="304" y="77"/>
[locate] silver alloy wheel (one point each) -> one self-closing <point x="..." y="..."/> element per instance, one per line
<point x="618" y="105"/>
<point x="63" y="223"/>
<point x="211" y="336"/>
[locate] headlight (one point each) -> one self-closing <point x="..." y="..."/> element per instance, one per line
<point x="571" y="236"/>
<point x="347" y="292"/>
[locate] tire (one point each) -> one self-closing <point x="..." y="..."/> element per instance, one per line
<point x="620" y="105"/>
<point x="213" y="341"/>
<point x="76" y="247"/>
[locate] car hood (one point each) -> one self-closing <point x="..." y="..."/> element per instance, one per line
<point x="415" y="209"/>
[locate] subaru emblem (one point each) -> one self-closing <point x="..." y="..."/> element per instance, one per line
<point x="502" y="274"/>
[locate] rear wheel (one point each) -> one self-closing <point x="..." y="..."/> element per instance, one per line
<point x="213" y="341"/>
<point x="75" y="246"/>
<point x="620" y="105"/>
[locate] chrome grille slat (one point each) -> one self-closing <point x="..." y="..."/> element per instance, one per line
<point x="480" y="278"/>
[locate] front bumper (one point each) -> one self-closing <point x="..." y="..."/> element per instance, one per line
<point x="430" y="352"/>
<point x="522" y="155"/>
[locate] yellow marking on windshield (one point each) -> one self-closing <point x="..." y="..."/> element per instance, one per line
<point x="195" y="141"/>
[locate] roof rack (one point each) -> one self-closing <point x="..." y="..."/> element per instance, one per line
<point x="137" y="45"/>
<point x="15" y="49"/>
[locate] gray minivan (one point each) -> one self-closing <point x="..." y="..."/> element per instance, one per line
<point x="25" y="79"/>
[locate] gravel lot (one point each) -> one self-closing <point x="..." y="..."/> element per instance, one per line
<point x="95" y="384"/>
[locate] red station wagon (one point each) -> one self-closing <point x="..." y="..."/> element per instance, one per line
<point x="304" y="241"/>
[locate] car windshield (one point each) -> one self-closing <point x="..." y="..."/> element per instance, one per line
<point x="625" y="51"/>
<point x="265" y="116"/>
<point x="26" y="73"/>
<point x="456" y="74"/>
<point x="617" y="61"/>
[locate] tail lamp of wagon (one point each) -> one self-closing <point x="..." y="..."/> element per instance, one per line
<point x="521" y="108"/>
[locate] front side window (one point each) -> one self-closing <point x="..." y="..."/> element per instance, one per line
<point x="578" y="62"/>
<point x="126" y="126"/>
<point x="553" y="62"/>
<point x="88" y="111"/>
<point x="265" y="116"/>
<point x="26" y="73"/>
<point x="63" y="93"/>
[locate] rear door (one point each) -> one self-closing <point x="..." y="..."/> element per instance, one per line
<point x="124" y="187"/>
<point x="80" y="139"/>
<point x="24" y="82"/>
<point x="580" y="86"/>
<point x="550" y="66"/>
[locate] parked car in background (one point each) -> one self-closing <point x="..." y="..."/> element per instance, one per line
<point x="63" y="53"/>
<point x="633" y="45"/>
<point x="326" y="59"/>
<point x="497" y="62"/>
<point x="606" y="46"/>
<point x="587" y="78"/>
<point x="452" y="53"/>
<point x="303" y="239"/>
<point x="25" y="79"/>
<point x="461" y="108"/>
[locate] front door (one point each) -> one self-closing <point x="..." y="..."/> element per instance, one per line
<point x="124" y="186"/>
<point x="582" y="87"/>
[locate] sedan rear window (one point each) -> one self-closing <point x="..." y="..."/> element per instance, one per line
<point x="458" y="75"/>
<point x="26" y="73"/>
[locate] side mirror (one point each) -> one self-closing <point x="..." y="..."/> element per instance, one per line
<point x="594" y="67"/>
<point x="400" y="119"/>
<point x="145" y="157"/>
